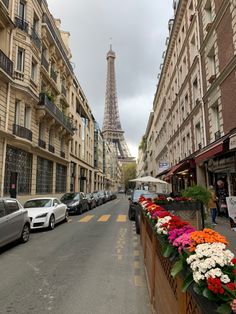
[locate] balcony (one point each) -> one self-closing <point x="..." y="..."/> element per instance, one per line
<point x="56" y="113"/>
<point x="6" y="64"/>
<point x="47" y="21"/>
<point x="41" y="143"/>
<point x="23" y="132"/>
<point x="22" y="24"/>
<point x="45" y="63"/>
<point x="217" y="135"/>
<point x="35" y="38"/>
<point x="51" y="148"/>
<point x="6" y="3"/>
<point x="63" y="155"/>
<point x="53" y="75"/>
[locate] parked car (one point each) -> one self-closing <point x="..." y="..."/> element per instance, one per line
<point x="113" y="195"/>
<point x="107" y="195"/>
<point x="102" y="195"/>
<point x="91" y="200"/>
<point x="97" y="198"/>
<point x="14" y="222"/>
<point x="134" y="206"/>
<point x="76" y="203"/>
<point x="45" y="212"/>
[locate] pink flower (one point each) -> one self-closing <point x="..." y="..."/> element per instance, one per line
<point x="233" y="306"/>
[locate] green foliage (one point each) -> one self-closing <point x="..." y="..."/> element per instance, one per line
<point x="129" y="173"/>
<point x="143" y="144"/>
<point x="197" y="193"/>
<point x="224" y="309"/>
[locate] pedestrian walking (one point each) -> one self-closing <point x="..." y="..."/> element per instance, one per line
<point x="212" y="205"/>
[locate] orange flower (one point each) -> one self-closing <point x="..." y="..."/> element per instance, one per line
<point x="205" y="236"/>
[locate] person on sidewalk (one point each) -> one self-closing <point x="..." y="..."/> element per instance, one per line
<point x="212" y="206"/>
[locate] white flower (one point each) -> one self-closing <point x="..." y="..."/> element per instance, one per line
<point x="225" y="278"/>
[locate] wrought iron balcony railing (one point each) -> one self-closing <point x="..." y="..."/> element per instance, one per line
<point x="51" y="148"/>
<point x="35" y="38"/>
<point x="45" y="63"/>
<point x="22" y="24"/>
<point x="23" y="132"/>
<point x="6" y="64"/>
<point x="63" y="90"/>
<point x="56" y="113"/>
<point x="53" y="75"/>
<point x="6" y="3"/>
<point x="55" y="36"/>
<point x="42" y="143"/>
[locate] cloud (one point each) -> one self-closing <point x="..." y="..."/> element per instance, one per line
<point x="138" y="29"/>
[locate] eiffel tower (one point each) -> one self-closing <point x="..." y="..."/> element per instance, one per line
<point x="111" y="129"/>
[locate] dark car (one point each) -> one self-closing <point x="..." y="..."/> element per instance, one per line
<point x="97" y="198"/>
<point x="134" y="206"/>
<point x="76" y="203"/>
<point x="102" y="196"/>
<point x="91" y="200"/>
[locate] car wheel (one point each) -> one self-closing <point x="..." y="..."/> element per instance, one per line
<point x="66" y="216"/>
<point x="25" y="234"/>
<point x="51" y="224"/>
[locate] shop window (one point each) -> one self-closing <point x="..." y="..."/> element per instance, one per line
<point x="61" y="173"/>
<point x="44" y="179"/>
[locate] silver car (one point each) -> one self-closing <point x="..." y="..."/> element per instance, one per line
<point x="14" y="221"/>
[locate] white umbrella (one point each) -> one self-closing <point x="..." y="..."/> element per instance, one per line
<point x="148" y="179"/>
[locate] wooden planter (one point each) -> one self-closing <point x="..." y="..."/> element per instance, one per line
<point x="189" y="211"/>
<point x="165" y="292"/>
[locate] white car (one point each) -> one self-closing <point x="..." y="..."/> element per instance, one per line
<point x="45" y="212"/>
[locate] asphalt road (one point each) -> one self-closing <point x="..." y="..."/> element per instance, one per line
<point x="90" y="265"/>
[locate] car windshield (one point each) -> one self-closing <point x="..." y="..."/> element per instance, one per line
<point x="70" y="197"/>
<point x="38" y="203"/>
<point x="146" y="194"/>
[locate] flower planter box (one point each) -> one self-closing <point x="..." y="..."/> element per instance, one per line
<point x="188" y="211"/>
<point x="165" y="292"/>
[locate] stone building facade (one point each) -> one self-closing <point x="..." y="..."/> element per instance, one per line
<point x="46" y="124"/>
<point x="194" y="109"/>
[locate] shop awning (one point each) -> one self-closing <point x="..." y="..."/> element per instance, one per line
<point x="173" y="170"/>
<point x="210" y="151"/>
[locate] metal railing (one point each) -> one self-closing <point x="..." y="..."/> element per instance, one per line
<point x="51" y="148"/>
<point x="63" y="90"/>
<point x="53" y="75"/>
<point x="22" y="24"/>
<point x="42" y="143"/>
<point x="56" y="113"/>
<point x="23" y="132"/>
<point x="6" y="3"/>
<point x="55" y="36"/>
<point x="45" y="63"/>
<point x="6" y="64"/>
<point x="35" y="38"/>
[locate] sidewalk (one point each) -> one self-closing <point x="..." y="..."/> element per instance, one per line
<point x="223" y="227"/>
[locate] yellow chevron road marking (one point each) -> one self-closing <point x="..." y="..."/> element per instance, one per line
<point x="121" y="218"/>
<point x="86" y="218"/>
<point x="104" y="218"/>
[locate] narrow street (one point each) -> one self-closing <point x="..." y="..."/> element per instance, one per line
<point x="92" y="264"/>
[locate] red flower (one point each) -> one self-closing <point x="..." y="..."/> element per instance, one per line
<point x="231" y="286"/>
<point x="233" y="261"/>
<point x="214" y="285"/>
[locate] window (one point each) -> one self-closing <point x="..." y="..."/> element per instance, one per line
<point x="44" y="178"/>
<point x="216" y="121"/>
<point x="211" y="58"/>
<point x="33" y="70"/>
<point x="20" y="59"/>
<point x="35" y="26"/>
<point x="41" y="131"/>
<point x="198" y="141"/>
<point x="17" y="112"/>
<point x="62" y="145"/>
<point x="11" y="206"/>
<point x="208" y="11"/>
<point x="27" y="117"/>
<point x="22" y="10"/>
<point x="61" y="178"/>
<point x="51" y="137"/>
<point x="2" y="209"/>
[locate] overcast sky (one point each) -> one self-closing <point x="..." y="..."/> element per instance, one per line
<point x="138" y="29"/>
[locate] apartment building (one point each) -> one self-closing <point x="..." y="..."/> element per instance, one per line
<point x="46" y="125"/>
<point x="98" y="158"/>
<point x="194" y="110"/>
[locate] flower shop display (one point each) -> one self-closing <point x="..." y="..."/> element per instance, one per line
<point x="209" y="266"/>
